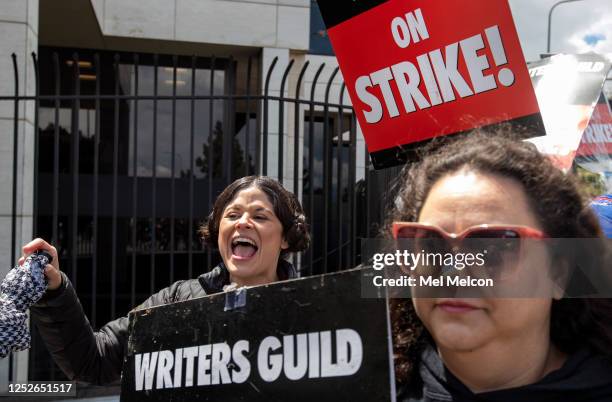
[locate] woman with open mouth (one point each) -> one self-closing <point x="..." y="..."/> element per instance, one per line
<point x="255" y="224"/>
<point x="540" y="346"/>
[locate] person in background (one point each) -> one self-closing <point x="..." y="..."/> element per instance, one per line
<point x="255" y="223"/>
<point x="498" y="349"/>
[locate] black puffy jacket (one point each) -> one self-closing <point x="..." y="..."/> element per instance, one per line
<point x="97" y="357"/>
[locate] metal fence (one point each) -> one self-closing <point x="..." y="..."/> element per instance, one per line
<point x="120" y="186"/>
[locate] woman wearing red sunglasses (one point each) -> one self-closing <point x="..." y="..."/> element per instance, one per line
<point x="497" y="349"/>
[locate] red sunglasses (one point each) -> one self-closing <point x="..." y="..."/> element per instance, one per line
<point x="502" y="244"/>
<point x="414" y="230"/>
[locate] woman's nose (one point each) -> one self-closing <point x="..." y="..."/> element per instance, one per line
<point x="244" y="221"/>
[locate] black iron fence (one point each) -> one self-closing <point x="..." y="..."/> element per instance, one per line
<point x="130" y="151"/>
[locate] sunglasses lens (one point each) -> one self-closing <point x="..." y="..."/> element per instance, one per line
<point x="409" y="232"/>
<point x="501" y="248"/>
<point x="425" y="239"/>
<point x="494" y="234"/>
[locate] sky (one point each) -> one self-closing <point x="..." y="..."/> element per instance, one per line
<point x="577" y="27"/>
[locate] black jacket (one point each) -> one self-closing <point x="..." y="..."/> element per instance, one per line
<point x="584" y="377"/>
<point x="97" y="357"/>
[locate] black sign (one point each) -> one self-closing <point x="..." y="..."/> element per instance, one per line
<point x="337" y="11"/>
<point x="300" y="340"/>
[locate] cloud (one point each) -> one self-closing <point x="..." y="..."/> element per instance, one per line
<point x="596" y="37"/>
<point x="582" y="26"/>
<point x="572" y="23"/>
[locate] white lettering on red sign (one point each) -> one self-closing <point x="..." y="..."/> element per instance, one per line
<point x="438" y="70"/>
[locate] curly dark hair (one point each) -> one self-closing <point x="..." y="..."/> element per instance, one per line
<point x="559" y="206"/>
<point x="287" y="209"/>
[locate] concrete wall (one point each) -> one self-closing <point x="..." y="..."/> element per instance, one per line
<point x="19" y="33"/>
<point x="257" y="23"/>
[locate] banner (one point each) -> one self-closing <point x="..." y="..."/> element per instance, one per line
<point x="595" y="150"/>
<point x="421" y="69"/>
<point x="567" y="87"/>
<point x="312" y="339"/>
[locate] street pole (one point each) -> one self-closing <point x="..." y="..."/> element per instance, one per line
<point x="550" y="19"/>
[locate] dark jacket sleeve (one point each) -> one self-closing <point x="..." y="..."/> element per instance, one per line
<point x="81" y="353"/>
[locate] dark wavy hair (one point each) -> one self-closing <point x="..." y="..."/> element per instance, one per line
<point x="286" y="205"/>
<point x="555" y="198"/>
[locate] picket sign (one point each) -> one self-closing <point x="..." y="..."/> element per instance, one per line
<point x="596" y="142"/>
<point x="420" y="69"/>
<point x="595" y="150"/>
<point x="299" y="340"/>
<point x="567" y="87"/>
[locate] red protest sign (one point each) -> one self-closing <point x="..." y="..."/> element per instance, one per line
<point x="420" y="69"/>
<point x="596" y="143"/>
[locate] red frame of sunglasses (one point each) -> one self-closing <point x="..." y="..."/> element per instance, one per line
<point x="524" y="232"/>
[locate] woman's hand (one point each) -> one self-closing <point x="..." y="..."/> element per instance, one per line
<point x="52" y="271"/>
